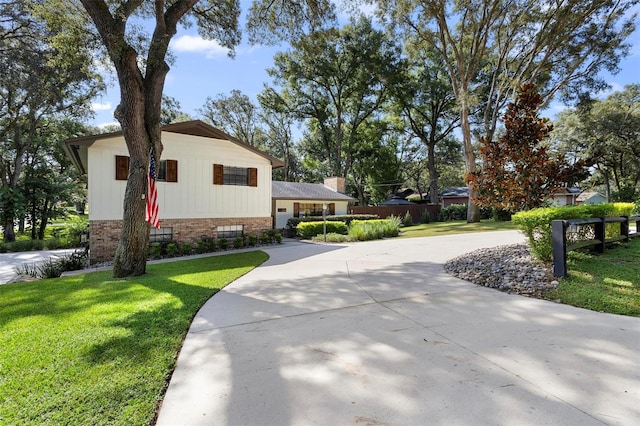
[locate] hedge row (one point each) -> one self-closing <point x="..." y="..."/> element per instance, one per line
<point x="536" y="223"/>
<point x="292" y="223"/>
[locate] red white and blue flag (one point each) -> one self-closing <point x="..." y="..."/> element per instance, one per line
<point x="151" y="213"/>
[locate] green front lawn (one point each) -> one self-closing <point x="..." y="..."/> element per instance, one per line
<point x="91" y="349"/>
<point x="608" y="282"/>
<point x="455" y="227"/>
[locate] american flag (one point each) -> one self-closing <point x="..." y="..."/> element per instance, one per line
<point x="151" y="213"/>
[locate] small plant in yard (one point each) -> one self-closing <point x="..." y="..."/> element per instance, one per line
<point x="238" y="242"/>
<point x="252" y="240"/>
<point x="277" y="237"/>
<point x="265" y="238"/>
<point x="407" y="220"/>
<point x="186" y="248"/>
<point x="172" y="249"/>
<point x="223" y="243"/>
<point x="155" y="250"/>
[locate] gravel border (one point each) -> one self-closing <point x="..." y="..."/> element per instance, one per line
<point x="509" y="268"/>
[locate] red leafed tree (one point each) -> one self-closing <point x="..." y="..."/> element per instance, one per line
<point x="518" y="172"/>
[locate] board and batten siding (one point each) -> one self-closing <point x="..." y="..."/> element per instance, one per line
<point x="341" y="208"/>
<point x="194" y="195"/>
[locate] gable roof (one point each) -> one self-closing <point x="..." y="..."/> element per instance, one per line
<point x="588" y="195"/>
<point x="305" y="191"/>
<point x="460" y="191"/>
<point x="76" y="147"/>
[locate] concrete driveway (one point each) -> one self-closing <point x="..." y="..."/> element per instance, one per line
<point x="376" y="333"/>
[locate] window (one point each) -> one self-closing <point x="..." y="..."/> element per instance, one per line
<point x="312" y="209"/>
<point x="122" y="167"/>
<point x="230" y="175"/>
<point x="160" y="235"/>
<point x="167" y="170"/>
<point x="230" y="231"/>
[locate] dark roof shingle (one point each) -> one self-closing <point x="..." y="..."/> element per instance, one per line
<point x="305" y="191"/>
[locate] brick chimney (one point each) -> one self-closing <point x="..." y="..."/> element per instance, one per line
<point x="335" y="184"/>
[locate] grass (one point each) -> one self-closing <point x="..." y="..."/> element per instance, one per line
<point x="455" y="227"/>
<point x="91" y="349"/>
<point x="609" y="282"/>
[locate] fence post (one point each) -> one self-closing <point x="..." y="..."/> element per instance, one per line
<point x="600" y="234"/>
<point x="624" y="228"/>
<point x="559" y="238"/>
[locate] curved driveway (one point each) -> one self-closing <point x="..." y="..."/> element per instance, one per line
<point x="376" y="333"/>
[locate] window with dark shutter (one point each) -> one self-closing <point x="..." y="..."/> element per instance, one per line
<point x="172" y="170"/>
<point x="253" y="176"/>
<point x="122" y="167"/>
<point x="296" y="209"/>
<point x="332" y="208"/>
<point x="218" y="174"/>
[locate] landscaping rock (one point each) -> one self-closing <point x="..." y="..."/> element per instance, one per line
<point x="510" y="268"/>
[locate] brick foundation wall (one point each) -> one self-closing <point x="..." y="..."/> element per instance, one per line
<point x="105" y="234"/>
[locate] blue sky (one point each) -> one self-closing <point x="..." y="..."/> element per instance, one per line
<point x="202" y="68"/>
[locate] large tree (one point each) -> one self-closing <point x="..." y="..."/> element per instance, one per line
<point x="491" y="47"/>
<point x="337" y="79"/>
<point x="427" y="104"/>
<point x="518" y="170"/>
<point x="237" y="115"/>
<point x="609" y="131"/>
<point x="140" y="62"/>
<point x="27" y="99"/>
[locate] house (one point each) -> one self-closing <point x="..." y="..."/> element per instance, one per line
<point x="564" y="197"/>
<point x="296" y="199"/>
<point x="209" y="184"/>
<point x="591" y="197"/>
<point x="457" y="195"/>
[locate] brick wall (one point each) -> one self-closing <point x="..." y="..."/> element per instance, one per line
<point x="105" y="234"/>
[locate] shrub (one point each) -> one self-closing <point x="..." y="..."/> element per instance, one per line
<point x="536" y="223"/>
<point x="172" y="249"/>
<point x="426" y="217"/>
<point x="308" y="230"/>
<point x="238" y="242"/>
<point x="277" y="237"/>
<point x="223" y="243"/>
<point x="265" y="238"/>
<point x="407" y="220"/>
<point x="292" y="223"/>
<point x="186" y="248"/>
<point x="331" y="238"/>
<point x="155" y="250"/>
<point x="252" y="240"/>
<point x="453" y="212"/>
<point x="365" y="230"/>
<point x="500" y="215"/>
<point x="74" y="261"/>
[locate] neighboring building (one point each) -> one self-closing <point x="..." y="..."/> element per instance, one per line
<point x="564" y="197"/>
<point x="457" y="195"/>
<point x="591" y="197"/>
<point x="209" y="184"/>
<point x="295" y="199"/>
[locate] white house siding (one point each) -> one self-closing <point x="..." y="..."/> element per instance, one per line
<point x="283" y="217"/>
<point x="194" y="195"/>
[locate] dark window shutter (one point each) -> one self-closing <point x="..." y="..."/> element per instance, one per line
<point x="122" y="167"/>
<point x="172" y="170"/>
<point x="218" y="174"/>
<point x="296" y="209"/>
<point x="253" y="176"/>
<point x="332" y="208"/>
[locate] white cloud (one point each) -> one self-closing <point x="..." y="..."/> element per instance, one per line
<point x="189" y="43"/>
<point x="97" y="106"/>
